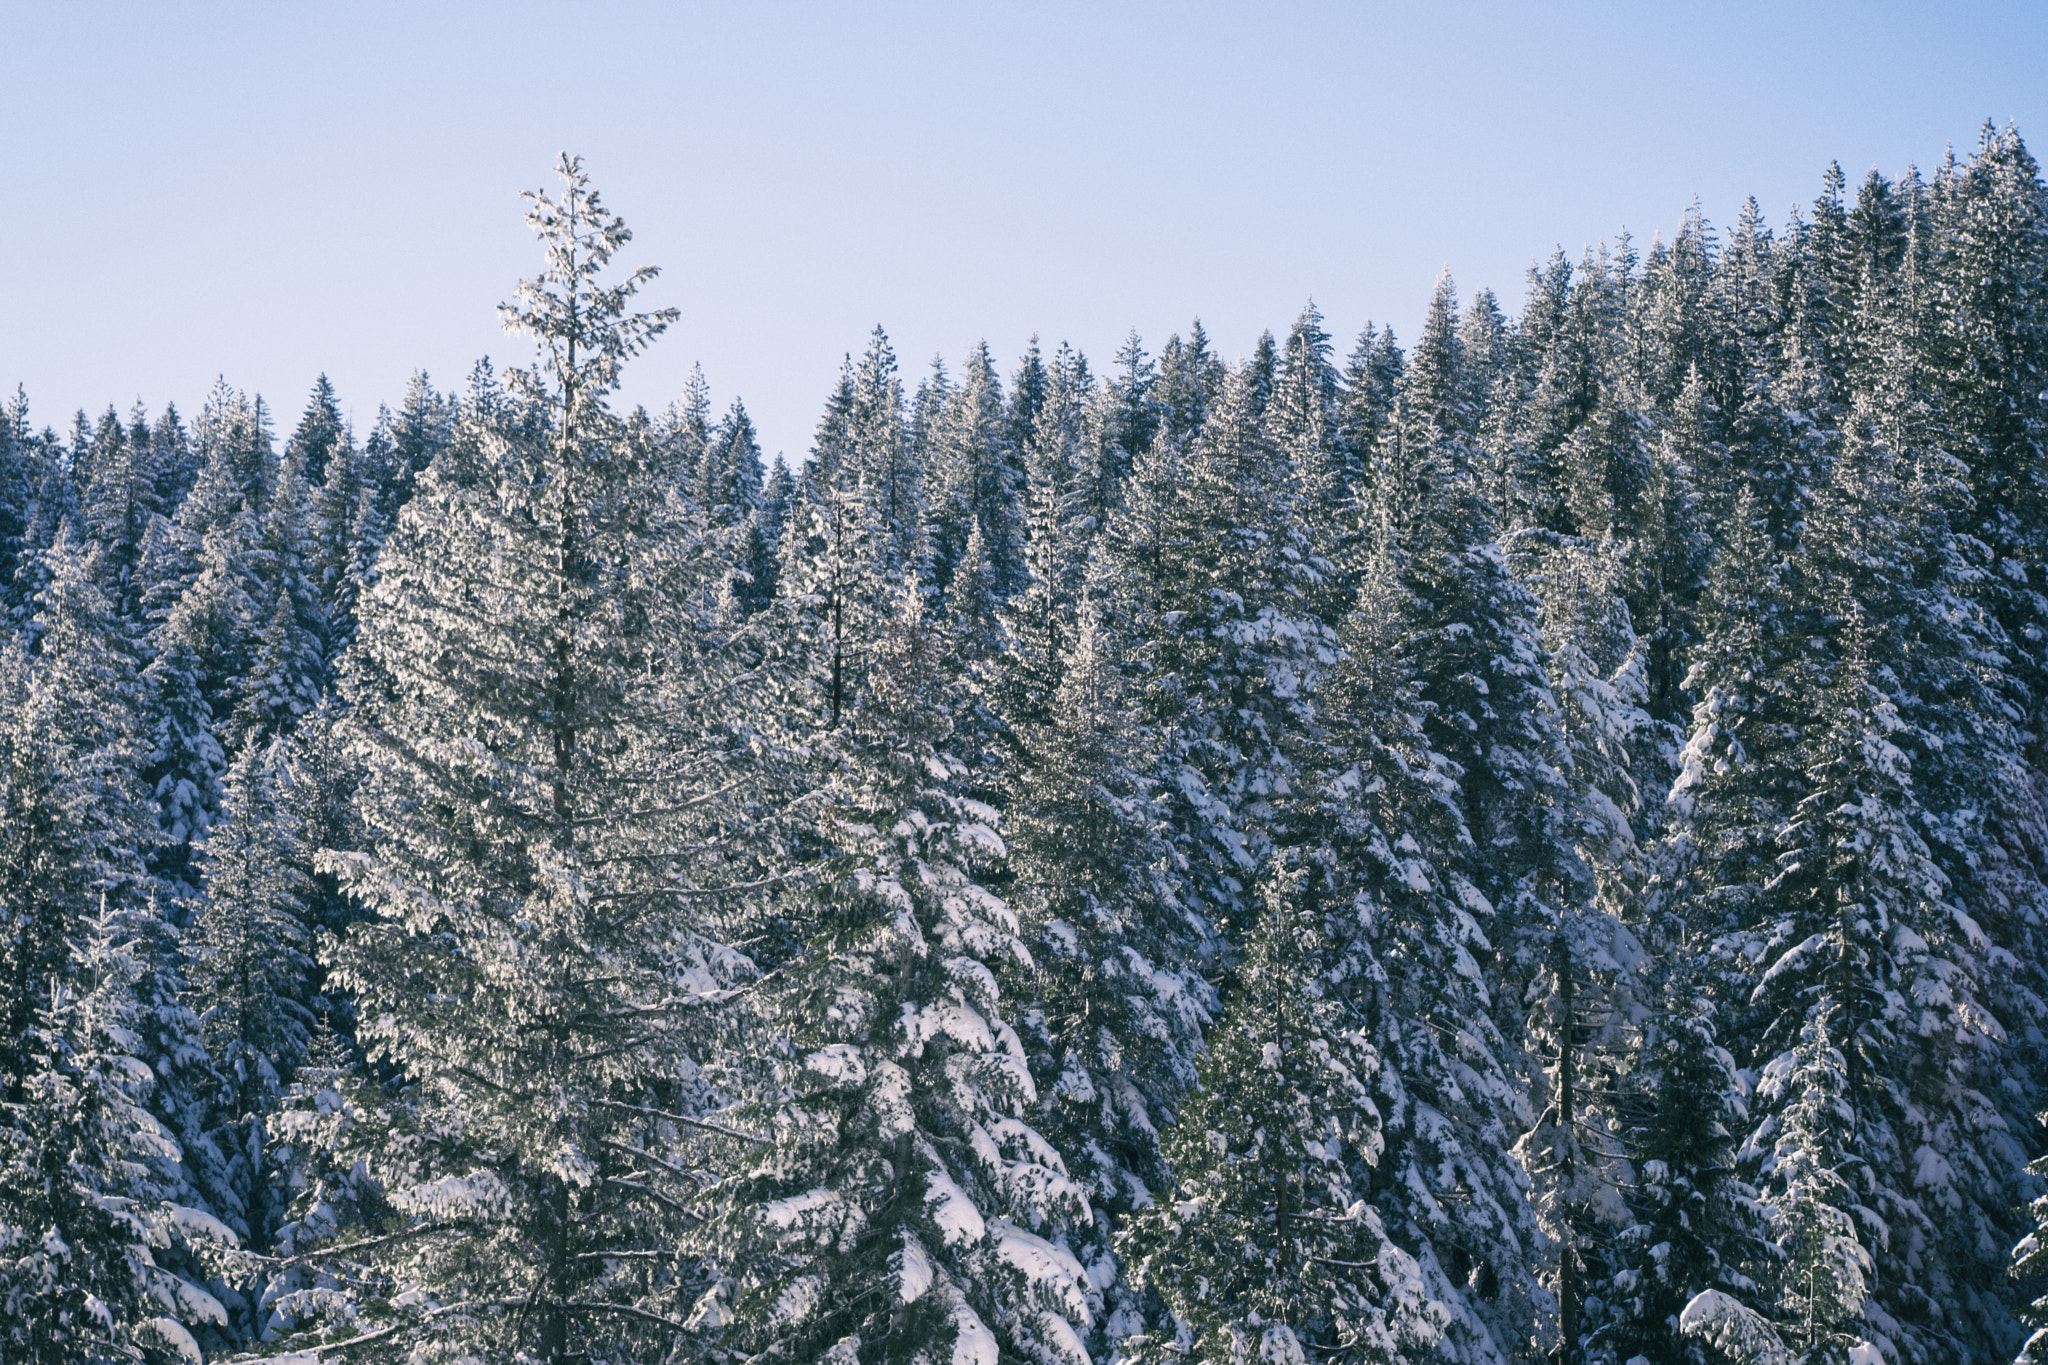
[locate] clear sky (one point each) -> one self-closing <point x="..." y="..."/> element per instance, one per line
<point x="266" y="191"/>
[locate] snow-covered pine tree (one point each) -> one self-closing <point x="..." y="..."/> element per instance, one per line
<point x="287" y="658"/>
<point x="87" y="1177"/>
<point x="21" y="473"/>
<point x="75" y="825"/>
<point x="249" y="976"/>
<point x="1824" y="1269"/>
<point x="201" y="649"/>
<point x="905" y="1208"/>
<point x="1301" y="420"/>
<point x="319" y="431"/>
<point x="1416" y="969"/>
<point x="333" y="563"/>
<point x="419" y="431"/>
<point x="1204" y="573"/>
<point x="1189" y="376"/>
<point x="879" y="450"/>
<point x="1697" y="1229"/>
<point x="683" y="432"/>
<point x="1366" y="403"/>
<point x="172" y="459"/>
<point x="1123" y="421"/>
<point x="53" y="514"/>
<point x="2030" y="1267"/>
<point x="118" y="503"/>
<point x="974" y="478"/>
<point x="1263" y="1248"/>
<point x="730" y="486"/>
<point x="1040" y="616"/>
<point x="1989" y="263"/>
<point x="832" y="581"/>
<point x="534" y="706"/>
<point x="91" y="1022"/>
<point x="1112" y="1007"/>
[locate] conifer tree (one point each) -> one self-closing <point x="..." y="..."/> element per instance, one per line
<point x="116" y="505"/>
<point x="1205" y="572"/>
<point x="832" y="579"/>
<point x="1697" y="1229"/>
<point x="1112" y="1006"/>
<point x="733" y="474"/>
<point x="1371" y="376"/>
<point x="85" y="1215"/>
<point x="976" y="478"/>
<point x="1041" y="614"/>
<point x="1823" y="1280"/>
<point x="319" y="431"/>
<point x="249" y="972"/>
<point x="2030" y="1263"/>
<point x="905" y="1208"/>
<point x="1416" y="968"/>
<point x="882" y="458"/>
<point x="1263" y="1249"/>
<point x="1301" y="420"/>
<point x="419" y="431"/>
<point x="21" y="459"/>
<point x="76" y="826"/>
<point x="527" y="780"/>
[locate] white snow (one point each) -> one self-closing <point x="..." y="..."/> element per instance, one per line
<point x="478" y="1194"/>
<point x="1044" y="1266"/>
<point x="173" y="1332"/>
<point x="975" y="1344"/>
<point x="800" y="1208"/>
<point x="913" y="1270"/>
<point x="1734" y="1329"/>
<point x="960" y="1223"/>
<point x="839" y="1062"/>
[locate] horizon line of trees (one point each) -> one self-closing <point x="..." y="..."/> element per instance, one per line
<point x="1527" y="844"/>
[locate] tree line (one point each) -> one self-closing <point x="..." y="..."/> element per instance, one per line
<point x="1526" y="844"/>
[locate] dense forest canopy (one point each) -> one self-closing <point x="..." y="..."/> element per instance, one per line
<point x="1527" y="842"/>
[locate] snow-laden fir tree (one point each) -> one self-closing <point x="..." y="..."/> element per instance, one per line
<point x="538" y="750"/>
<point x="906" y="1209"/>
<point x="1204" y="574"/>
<point x="974" y="477"/>
<point x="75" y="824"/>
<point x="88" y="1179"/>
<point x="834" y="575"/>
<point x="250" y="975"/>
<point x="1414" y="964"/>
<point x="1694" y="1227"/>
<point x="1817" y="1210"/>
<point x="1111" y="1009"/>
<point x="1262" y="1248"/>
<point x="2030" y="1264"/>
<point x="1040" y="616"/>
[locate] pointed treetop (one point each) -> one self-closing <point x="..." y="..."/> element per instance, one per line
<point x="584" y="329"/>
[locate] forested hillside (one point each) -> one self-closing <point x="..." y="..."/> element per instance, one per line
<point x="1522" y="842"/>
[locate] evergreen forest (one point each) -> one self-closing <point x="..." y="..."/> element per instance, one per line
<point x="1525" y="842"/>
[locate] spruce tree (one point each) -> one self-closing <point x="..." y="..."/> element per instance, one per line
<point x="1207" y="573"/>
<point x="250" y="974"/>
<point x="1263" y="1248"/>
<point x="1416" y="966"/>
<point x="2030" y="1265"/>
<point x="1112" y="1004"/>
<point x="85" y="1212"/>
<point x="319" y="431"/>
<point x="905" y="1208"/>
<point x="530" y="708"/>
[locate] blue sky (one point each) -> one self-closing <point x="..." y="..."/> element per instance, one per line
<point x="267" y="191"/>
